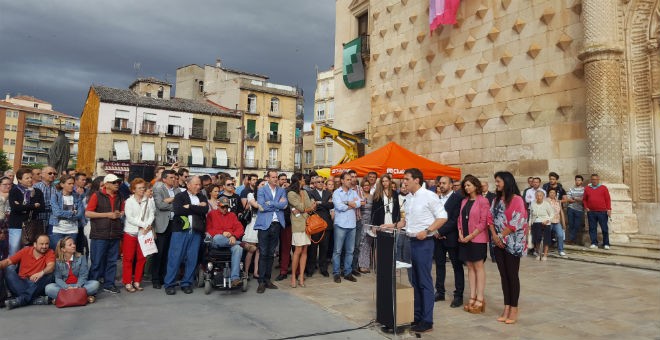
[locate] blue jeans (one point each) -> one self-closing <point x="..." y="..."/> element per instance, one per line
<point x="91" y="286"/>
<point x="422" y="261"/>
<point x="344" y="239"/>
<point x="104" y="255"/>
<point x="184" y="246"/>
<point x="25" y="290"/>
<point x="220" y="241"/>
<point x="267" y="242"/>
<point x="559" y="232"/>
<point x="14" y="240"/>
<point x="595" y="218"/>
<point x="56" y="237"/>
<point x="575" y="221"/>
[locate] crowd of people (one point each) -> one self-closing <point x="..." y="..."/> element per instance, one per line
<point x="88" y="224"/>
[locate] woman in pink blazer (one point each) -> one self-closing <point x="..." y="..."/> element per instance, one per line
<point x="473" y="225"/>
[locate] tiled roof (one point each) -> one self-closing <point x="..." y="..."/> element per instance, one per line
<point x="12" y="106"/>
<point x="150" y="80"/>
<point x="31" y="99"/>
<point x="128" y="97"/>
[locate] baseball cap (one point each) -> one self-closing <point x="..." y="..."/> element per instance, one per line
<point x="110" y="178"/>
<point x="223" y="201"/>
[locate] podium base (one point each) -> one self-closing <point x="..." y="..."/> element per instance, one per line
<point x="399" y="329"/>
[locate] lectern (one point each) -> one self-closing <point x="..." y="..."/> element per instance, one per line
<point x="394" y="302"/>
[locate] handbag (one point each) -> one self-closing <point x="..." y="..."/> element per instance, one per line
<point x="32" y="228"/>
<point x="246" y="217"/>
<point x="71" y="297"/>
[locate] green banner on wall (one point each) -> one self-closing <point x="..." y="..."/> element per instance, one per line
<point x="353" y="69"/>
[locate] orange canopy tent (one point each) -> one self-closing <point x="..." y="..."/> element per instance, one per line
<point x="395" y="159"/>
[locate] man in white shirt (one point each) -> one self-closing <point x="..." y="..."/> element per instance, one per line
<point x="424" y="216"/>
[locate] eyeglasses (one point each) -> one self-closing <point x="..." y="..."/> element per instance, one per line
<point x="51" y="173"/>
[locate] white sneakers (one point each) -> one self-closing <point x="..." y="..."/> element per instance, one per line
<point x="593" y="246"/>
<point x="562" y="254"/>
<point x="606" y="247"/>
<point x="544" y="258"/>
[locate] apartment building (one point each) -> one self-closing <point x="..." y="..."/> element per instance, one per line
<point x="144" y="125"/>
<point x="31" y="126"/>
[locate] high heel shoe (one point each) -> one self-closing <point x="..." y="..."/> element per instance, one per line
<point x="294" y="284"/>
<point x="301" y="282"/>
<point x="469" y="305"/>
<point x="512" y="318"/>
<point x="478" y="309"/>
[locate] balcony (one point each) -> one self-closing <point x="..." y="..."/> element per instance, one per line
<point x="47" y="137"/>
<point x="365" y="47"/>
<point x="221" y="136"/>
<point x="198" y="133"/>
<point x="121" y="127"/>
<point x="112" y="156"/>
<point x="171" y="159"/>
<point x="32" y="135"/>
<point x="149" y="161"/>
<point x="221" y="163"/>
<point x="273" y="164"/>
<point x="149" y="128"/>
<point x="252" y="112"/>
<point x="250" y="163"/>
<point x="275" y="114"/>
<point x="174" y="131"/>
<point x="299" y="140"/>
<point x="33" y="121"/>
<point x="34" y="149"/>
<point x="274" y="138"/>
<point x="191" y="163"/>
<point x="252" y="136"/>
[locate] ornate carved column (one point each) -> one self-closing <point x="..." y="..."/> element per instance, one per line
<point x="602" y="57"/>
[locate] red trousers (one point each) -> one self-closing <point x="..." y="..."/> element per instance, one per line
<point x="285" y="250"/>
<point x="130" y="249"/>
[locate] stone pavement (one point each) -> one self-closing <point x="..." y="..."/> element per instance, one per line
<point x="559" y="299"/>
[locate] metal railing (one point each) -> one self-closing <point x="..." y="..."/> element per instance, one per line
<point x="365" y="47"/>
<point x="113" y="156"/>
<point x="149" y="128"/>
<point x="174" y="131"/>
<point x="221" y="163"/>
<point x="273" y="164"/>
<point x="117" y="126"/>
<point x="274" y="138"/>
<point x="250" y="163"/>
<point x="155" y="160"/>
<point x="252" y="136"/>
<point x="191" y="163"/>
<point x="198" y="133"/>
<point x="221" y="136"/>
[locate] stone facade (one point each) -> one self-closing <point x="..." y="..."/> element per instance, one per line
<point x="526" y="86"/>
<point x="271" y="111"/>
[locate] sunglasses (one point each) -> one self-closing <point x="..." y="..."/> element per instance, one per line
<point x="229" y="184"/>
<point x="51" y="173"/>
<point x="115" y="182"/>
<point x="223" y="207"/>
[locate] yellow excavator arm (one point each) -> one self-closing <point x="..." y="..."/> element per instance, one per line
<point x="348" y="141"/>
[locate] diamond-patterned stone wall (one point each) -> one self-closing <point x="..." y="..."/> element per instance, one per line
<point x="490" y="91"/>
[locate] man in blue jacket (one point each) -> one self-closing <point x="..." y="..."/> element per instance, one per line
<point x="270" y="220"/>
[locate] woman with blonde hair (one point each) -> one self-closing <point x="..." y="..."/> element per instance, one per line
<point x="71" y="271"/>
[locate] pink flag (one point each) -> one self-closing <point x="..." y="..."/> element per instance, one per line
<point x="442" y="12"/>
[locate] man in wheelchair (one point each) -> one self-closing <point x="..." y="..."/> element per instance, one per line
<point x="223" y="230"/>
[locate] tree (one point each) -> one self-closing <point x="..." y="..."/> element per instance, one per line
<point x="4" y="162"/>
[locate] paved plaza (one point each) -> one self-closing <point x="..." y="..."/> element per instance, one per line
<point x="560" y="300"/>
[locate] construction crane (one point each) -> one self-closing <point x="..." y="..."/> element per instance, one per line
<point x="348" y="141"/>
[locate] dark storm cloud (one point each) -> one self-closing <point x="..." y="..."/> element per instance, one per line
<point x="55" y="50"/>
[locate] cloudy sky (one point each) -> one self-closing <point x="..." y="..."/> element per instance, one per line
<point x="54" y="50"/>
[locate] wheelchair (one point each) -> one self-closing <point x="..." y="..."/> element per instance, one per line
<point x="215" y="271"/>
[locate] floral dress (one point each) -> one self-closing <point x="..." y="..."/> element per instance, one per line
<point x="513" y="217"/>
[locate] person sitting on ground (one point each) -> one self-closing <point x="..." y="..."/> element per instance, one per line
<point x="223" y="230"/>
<point x="71" y="271"/>
<point x="37" y="263"/>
